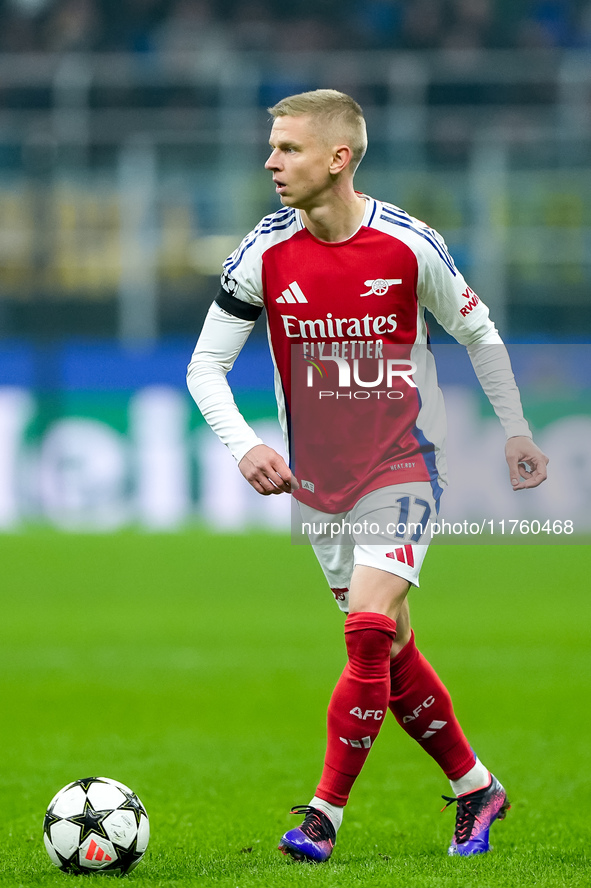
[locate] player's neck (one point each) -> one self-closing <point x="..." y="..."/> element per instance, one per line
<point x="337" y="219"/>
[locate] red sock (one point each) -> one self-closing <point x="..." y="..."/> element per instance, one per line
<point x="358" y="704"/>
<point x="422" y="706"/>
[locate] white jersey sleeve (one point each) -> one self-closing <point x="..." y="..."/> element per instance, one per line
<point x="493" y="368"/>
<point x="227" y="327"/>
<point x="443" y="290"/>
<point x="221" y="341"/>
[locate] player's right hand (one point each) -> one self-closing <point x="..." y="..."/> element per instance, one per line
<point x="267" y="471"/>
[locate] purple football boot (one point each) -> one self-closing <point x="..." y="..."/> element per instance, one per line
<point x="475" y="813"/>
<point x="313" y="840"/>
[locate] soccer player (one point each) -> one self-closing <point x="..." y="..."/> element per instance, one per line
<point x="345" y="280"/>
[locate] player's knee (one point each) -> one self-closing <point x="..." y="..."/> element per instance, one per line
<point x="369" y="637"/>
<point x="364" y="645"/>
<point x="376" y="591"/>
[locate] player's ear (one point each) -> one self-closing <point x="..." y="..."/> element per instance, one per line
<point x="341" y="158"/>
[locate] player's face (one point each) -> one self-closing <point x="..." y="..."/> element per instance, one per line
<point x="300" y="162"/>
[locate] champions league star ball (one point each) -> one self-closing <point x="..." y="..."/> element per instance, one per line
<point x="96" y="825"/>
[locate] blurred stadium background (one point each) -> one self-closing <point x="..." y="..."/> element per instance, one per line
<point x="132" y="141"/>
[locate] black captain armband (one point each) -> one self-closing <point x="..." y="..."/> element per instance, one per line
<point x="246" y="311"/>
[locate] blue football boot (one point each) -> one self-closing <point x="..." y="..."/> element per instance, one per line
<point x="475" y="814"/>
<point x="313" y="840"/>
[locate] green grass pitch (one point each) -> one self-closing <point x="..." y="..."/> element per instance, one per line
<point x="197" y="670"/>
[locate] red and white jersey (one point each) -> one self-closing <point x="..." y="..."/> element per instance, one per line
<point x="346" y="322"/>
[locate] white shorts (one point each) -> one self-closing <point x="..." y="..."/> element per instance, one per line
<point x="386" y="529"/>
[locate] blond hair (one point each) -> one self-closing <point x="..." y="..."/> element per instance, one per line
<point x="342" y="117"/>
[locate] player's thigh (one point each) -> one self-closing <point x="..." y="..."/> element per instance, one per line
<point x="391" y="529"/>
<point x="377" y="591"/>
<point x="391" y="532"/>
<point x="385" y="532"/>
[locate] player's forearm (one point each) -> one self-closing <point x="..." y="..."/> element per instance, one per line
<point x="218" y="347"/>
<point x="214" y="398"/>
<point x="493" y="368"/>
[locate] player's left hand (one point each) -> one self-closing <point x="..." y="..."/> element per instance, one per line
<point x="527" y="464"/>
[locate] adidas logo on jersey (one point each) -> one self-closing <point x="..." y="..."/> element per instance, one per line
<point x="292" y="294"/>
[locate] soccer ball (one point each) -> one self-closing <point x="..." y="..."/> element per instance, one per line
<point x="96" y="825"/>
